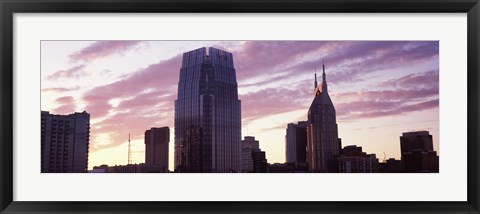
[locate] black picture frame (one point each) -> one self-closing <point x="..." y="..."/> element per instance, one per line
<point x="9" y="7"/>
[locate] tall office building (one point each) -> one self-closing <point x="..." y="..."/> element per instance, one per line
<point x="156" y="147"/>
<point x="208" y="101"/>
<point x="354" y="160"/>
<point x="420" y="140"/>
<point x="250" y="142"/>
<point x="417" y="152"/>
<point x="64" y="142"/>
<point x="322" y="132"/>
<point x="296" y="143"/>
<point x="253" y="159"/>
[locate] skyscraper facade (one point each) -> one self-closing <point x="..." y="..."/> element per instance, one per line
<point x="156" y="147"/>
<point x="64" y="142"/>
<point x="253" y="159"/>
<point x="322" y="132"/>
<point x="296" y="143"/>
<point x="419" y="140"/>
<point x="417" y="152"/>
<point x="250" y="142"/>
<point x="354" y="160"/>
<point x="208" y="101"/>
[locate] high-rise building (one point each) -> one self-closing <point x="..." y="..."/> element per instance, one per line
<point x="156" y="147"/>
<point x="253" y="159"/>
<point x="64" y="142"/>
<point x="420" y="140"/>
<point x="354" y="160"/>
<point x="208" y="100"/>
<point x="130" y="168"/>
<point x="390" y="166"/>
<point x="322" y="133"/>
<point x="260" y="164"/>
<point x="250" y="142"/>
<point x="417" y="152"/>
<point x="296" y="143"/>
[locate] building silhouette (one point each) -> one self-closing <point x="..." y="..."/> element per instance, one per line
<point x="156" y="147"/>
<point x="417" y="152"/>
<point x="64" y="142"/>
<point x="322" y="132"/>
<point x="353" y="160"/>
<point x="390" y="166"/>
<point x="253" y="159"/>
<point x="208" y="103"/>
<point x="250" y="142"/>
<point x="296" y="143"/>
<point x="129" y="168"/>
<point x="281" y="168"/>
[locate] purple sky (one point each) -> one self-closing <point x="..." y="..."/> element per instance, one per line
<point x="379" y="89"/>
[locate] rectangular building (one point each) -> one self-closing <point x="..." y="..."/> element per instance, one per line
<point x="353" y="160"/>
<point x="64" y="142"/>
<point x="417" y="152"/>
<point x="156" y="147"/>
<point x="253" y="159"/>
<point x="296" y="143"/>
<point x="130" y="168"/>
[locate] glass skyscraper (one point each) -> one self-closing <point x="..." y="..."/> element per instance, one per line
<point x="322" y="132"/>
<point x="207" y="113"/>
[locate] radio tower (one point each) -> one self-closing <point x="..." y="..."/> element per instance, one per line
<point x="129" y="153"/>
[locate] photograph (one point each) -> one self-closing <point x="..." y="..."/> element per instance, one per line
<point x="269" y="106"/>
<point x="254" y="106"/>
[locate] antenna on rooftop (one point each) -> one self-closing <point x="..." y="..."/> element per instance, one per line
<point x="129" y="151"/>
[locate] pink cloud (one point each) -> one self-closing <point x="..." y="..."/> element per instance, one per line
<point x="256" y="56"/>
<point x="60" y="89"/>
<point x="372" y="109"/>
<point x="413" y="92"/>
<point x="272" y="101"/>
<point x="103" y="49"/>
<point x="67" y="105"/>
<point x="134" y="123"/>
<point x="427" y="79"/>
<point x="158" y="75"/>
<point x="388" y="95"/>
<point x="147" y="98"/>
<point x="73" y="72"/>
<point x="350" y="61"/>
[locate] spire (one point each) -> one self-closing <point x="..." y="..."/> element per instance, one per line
<point x="324" y="78"/>
<point x="129" y="152"/>
<point x="315" y="84"/>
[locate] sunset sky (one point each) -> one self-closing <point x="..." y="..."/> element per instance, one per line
<point x="379" y="89"/>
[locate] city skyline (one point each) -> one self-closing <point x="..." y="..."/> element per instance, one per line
<point x="376" y="86"/>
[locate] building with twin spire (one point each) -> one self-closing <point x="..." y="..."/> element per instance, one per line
<point x="322" y="132"/>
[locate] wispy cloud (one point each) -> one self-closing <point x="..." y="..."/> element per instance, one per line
<point x="413" y="92"/>
<point x="66" y="105"/>
<point x="60" y="89"/>
<point x="153" y="77"/>
<point x="272" y="101"/>
<point x="74" y="72"/>
<point x="103" y="49"/>
<point x="346" y="61"/>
